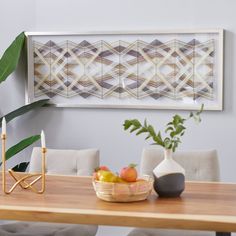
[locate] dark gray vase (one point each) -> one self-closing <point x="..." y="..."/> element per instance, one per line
<point x="169" y="177"/>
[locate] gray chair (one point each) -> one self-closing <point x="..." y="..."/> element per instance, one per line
<point x="64" y="162"/>
<point x="200" y="165"/>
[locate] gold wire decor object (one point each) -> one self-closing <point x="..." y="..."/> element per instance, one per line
<point x="22" y="181"/>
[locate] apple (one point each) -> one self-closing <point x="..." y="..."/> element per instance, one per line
<point x="102" y="168"/>
<point x="95" y="174"/>
<point x="129" y="173"/>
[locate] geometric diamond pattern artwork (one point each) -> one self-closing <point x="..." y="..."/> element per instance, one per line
<point x="157" y="70"/>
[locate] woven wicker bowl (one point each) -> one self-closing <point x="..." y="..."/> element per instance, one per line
<point x="123" y="192"/>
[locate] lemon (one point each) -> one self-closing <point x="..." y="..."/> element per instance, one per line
<point x="106" y="176"/>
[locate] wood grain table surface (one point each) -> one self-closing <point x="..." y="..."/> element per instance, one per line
<point x="202" y="206"/>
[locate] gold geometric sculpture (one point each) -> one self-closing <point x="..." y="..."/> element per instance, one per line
<point x="22" y="181"/>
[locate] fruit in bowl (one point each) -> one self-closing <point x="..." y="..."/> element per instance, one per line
<point x="129" y="173"/>
<point x="99" y="170"/>
<point x="123" y="187"/>
<point x="106" y="176"/>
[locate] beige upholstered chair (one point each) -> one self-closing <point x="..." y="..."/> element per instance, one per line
<point x="199" y="165"/>
<point x="64" y="162"/>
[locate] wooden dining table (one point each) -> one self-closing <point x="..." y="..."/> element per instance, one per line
<point x="70" y="199"/>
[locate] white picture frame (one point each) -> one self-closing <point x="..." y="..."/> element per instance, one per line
<point x="111" y="70"/>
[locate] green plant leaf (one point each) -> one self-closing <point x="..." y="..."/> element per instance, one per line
<point x="136" y="123"/>
<point x="21" y="146"/>
<point x="133" y="129"/>
<point x="145" y="123"/>
<point x="159" y="135"/>
<point x="158" y="139"/>
<point x="21" y="167"/>
<point x="142" y="130"/>
<point x="179" y="129"/>
<point x="201" y="109"/>
<point x="175" y="145"/>
<point x="10" y="58"/>
<point x="127" y="124"/>
<point x="151" y="131"/>
<point x="197" y="118"/>
<point x="167" y="143"/>
<point x="172" y="134"/>
<point x="177" y="119"/>
<point x="149" y="136"/>
<point x="22" y="110"/>
<point x="169" y="129"/>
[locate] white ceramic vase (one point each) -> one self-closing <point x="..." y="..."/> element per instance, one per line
<point x="169" y="177"/>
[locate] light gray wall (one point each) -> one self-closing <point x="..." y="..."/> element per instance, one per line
<point x="84" y="128"/>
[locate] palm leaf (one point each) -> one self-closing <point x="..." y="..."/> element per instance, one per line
<point x="21" y="167"/>
<point x="22" y="110"/>
<point x="12" y="151"/>
<point x="21" y="146"/>
<point x="10" y="58"/>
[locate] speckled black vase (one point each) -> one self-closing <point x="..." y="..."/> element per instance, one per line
<point x="169" y="177"/>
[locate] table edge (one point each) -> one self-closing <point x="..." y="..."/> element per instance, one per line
<point x="120" y="218"/>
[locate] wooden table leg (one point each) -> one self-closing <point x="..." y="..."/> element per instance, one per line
<point x="223" y="234"/>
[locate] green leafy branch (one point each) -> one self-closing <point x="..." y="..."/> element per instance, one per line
<point x="175" y="129"/>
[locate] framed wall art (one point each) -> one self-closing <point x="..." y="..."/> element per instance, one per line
<point x="153" y="70"/>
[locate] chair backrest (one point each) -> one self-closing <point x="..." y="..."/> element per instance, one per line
<point x="199" y="165"/>
<point x="66" y="162"/>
